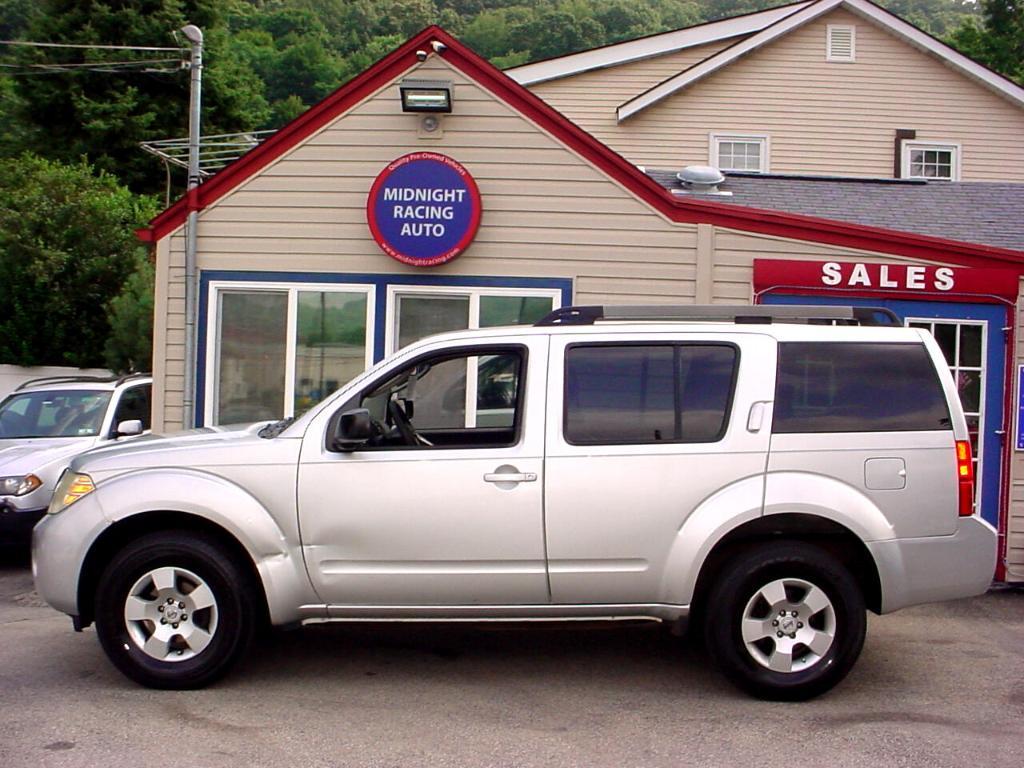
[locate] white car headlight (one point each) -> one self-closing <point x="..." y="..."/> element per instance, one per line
<point x="72" y="487"/>
<point x="19" y="486"/>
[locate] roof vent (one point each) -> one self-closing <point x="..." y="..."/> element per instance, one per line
<point x="700" y="179"/>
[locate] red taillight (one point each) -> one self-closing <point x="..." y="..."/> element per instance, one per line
<point x="965" y="478"/>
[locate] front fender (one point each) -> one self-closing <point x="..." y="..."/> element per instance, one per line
<point x="713" y="518"/>
<point x="278" y="560"/>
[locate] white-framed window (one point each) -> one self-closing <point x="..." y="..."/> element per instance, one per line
<point x="964" y="344"/>
<point x="415" y="311"/>
<point x="275" y="349"/>
<point x="739" y="152"/>
<point x="931" y="160"/>
<point x="841" y="42"/>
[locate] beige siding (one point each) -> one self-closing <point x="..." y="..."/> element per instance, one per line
<point x="547" y="213"/>
<point x="1015" y="523"/>
<point x="590" y="99"/>
<point x="822" y="117"/>
<point x="734" y="252"/>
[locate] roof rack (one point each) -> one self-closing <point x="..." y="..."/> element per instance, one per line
<point x="68" y="379"/>
<point x="757" y="314"/>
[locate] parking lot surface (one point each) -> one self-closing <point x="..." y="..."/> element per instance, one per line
<point x="937" y="685"/>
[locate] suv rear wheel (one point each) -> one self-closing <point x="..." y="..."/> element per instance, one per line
<point x="785" y="621"/>
<point x="174" y="610"/>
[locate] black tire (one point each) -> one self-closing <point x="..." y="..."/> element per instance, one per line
<point x="228" y="623"/>
<point x="741" y="589"/>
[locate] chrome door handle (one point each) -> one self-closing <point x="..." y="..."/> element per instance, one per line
<point x="510" y="477"/>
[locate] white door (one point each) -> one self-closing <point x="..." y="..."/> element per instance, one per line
<point x="444" y="505"/>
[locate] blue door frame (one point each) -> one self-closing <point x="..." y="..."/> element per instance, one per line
<point x="994" y="317"/>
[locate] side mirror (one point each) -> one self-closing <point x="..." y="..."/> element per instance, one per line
<point x="352" y="430"/>
<point x="128" y="428"/>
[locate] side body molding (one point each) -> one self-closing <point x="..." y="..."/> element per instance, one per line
<point x="280" y="565"/>
<point x="702" y="529"/>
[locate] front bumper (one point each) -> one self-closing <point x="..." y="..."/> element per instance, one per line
<point x="17" y="524"/>
<point x="934" y="568"/>
<point x="59" y="545"/>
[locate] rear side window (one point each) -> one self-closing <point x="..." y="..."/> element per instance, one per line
<point x="634" y="394"/>
<point x="841" y="387"/>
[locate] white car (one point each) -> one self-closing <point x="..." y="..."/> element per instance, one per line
<point x="47" y="422"/>
<point x="751" y="469"/>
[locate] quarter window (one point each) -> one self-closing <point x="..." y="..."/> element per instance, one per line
<point x="739" y="153"/>
<point x="850" y="387"/>
<point x="635" y="394"/>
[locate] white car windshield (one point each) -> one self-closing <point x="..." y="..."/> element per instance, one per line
<point x="53" y="413"/>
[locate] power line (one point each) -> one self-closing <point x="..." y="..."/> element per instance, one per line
<point x="91" y="64"/>
<point x="98" y="47"/>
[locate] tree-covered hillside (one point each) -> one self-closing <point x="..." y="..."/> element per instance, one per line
<point x="74" y="130"/>
<point x="267" y="60"/>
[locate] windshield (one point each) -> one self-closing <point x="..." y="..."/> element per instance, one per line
<point x="53" y="413"/>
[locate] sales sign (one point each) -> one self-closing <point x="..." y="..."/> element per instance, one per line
<point x="423" y="209"/>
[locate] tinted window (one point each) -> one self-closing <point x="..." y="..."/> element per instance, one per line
<point x="648" y="394"/>
<point x="836" y="387"/>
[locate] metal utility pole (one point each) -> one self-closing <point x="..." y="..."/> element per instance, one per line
<point x="195" y="38"/>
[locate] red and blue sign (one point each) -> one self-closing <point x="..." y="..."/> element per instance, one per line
<point x="424" y="209"/>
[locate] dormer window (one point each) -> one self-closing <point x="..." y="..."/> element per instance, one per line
<point x="841" y="42"/>
<point x="931" y="161"/>
<point x="739" y="152"/>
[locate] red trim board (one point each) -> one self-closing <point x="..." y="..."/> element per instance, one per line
<point x="602" y="157"/>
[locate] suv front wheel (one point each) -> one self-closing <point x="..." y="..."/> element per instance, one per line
<point x="174" y="610"/>
<point x="785" y="621"/>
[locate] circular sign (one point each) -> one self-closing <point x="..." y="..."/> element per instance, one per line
<point x="423" y="209"/>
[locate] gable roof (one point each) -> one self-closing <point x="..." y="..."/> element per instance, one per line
<point x="649" y="46"/>
<point x="868" y="10"/>
<point x="588" y="148"/>
<point x="976" y="211"/>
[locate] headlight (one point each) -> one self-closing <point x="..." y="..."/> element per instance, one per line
<point x="19" y="486"/>
<point x="71" y="488"/>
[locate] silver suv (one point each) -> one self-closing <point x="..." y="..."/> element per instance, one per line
<point x="766" y="473"/>
<point x="46" y="422"/>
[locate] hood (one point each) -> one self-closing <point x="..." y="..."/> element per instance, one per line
<point x="19" y="457"/>
<point x="207" y="446"/>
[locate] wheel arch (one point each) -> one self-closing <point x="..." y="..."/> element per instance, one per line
<point x="121" y="532"/>
<point x="835" y="538"/>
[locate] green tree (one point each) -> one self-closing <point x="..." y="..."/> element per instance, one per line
<point x="129" y="347"/>
<point x="104" y="116"/>
<point x="66" y="247"/>
<point x="998" y="41"/>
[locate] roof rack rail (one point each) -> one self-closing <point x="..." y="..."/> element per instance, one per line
<point x="70" y="378"/>
<point x="760" y="313"/>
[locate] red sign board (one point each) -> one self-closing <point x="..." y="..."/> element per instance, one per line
<point x="903" y="281"/>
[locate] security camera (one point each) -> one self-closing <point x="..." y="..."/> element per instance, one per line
<point x="421" y="55"/>
<point x="439" y="47"/>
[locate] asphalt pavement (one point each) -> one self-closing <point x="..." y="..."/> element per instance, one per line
<point x="937" y="685"/>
